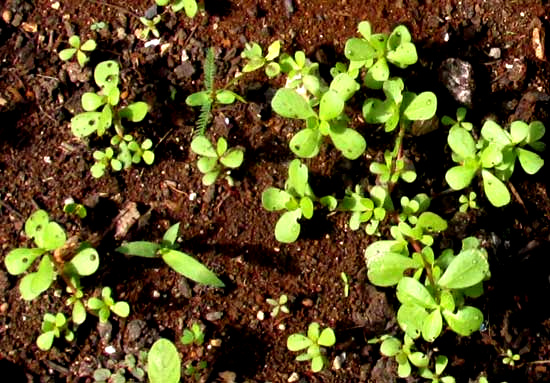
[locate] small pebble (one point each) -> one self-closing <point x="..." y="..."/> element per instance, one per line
<point x="293" y="377"/>
<point x="216" y="342"/>
<point x="260" y="315"/>
<point x="156" y="294"/>
<point x="213" y="316"/>
<point x="29" y="27"/>
<point x="55" y="5"/>
<point x="494" y="53"/>
<point x="3" y="307"/>
<point x="6" y="16"/>
<point x="307" y="302"/>
<point x="110" y="350"/>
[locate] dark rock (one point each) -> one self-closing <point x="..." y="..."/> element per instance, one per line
<point x="457" y="76"/>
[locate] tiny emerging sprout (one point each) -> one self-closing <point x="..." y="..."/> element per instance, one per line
<point x="103" y="306"/>
<point x="278" y="305"/>
<point x="78" y="50"/>
<point x="52" y="327"/>
<point x="510" y="358"/>
<point x="150" y="27"/>
<point x="194" y="334"/>
<point x="314" y="344"/>
<point x="467" y="202"/>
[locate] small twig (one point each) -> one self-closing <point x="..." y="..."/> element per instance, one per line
<point x="517" y="196"/>
<point x="11" y="209"/>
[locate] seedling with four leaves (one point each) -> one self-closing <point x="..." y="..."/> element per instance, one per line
<point x="79" y="50"/>
<point x="194" y="334"/>
<point x="53" y="326"/>
<point x="278" y="305"/>
<point x="104" y="306"/>
<point x="314" y="344"/>
<point x="150" y="26"/>
<point x="213" y="161"/>
<point x="179" y="261"/>
<point x="256" y="59"/>
<point x="467" y="202"/>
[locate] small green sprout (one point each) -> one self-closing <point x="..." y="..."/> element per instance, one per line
<point x="278" y="305"/>
<point x="441" y="362"/>
<point x="256" y="60"/>
<point x="194" y="370"/>
<point x="459" y="122"/>
<point x="387" y="174"/>
<point x="364" y="209"/>
<point x="163" y="362"/>
<point x="106" y="304"/>
<point x="510" y="358"/>
<point x="195" y="334"/>
<point x="77" y="209"/>
<point x="314" y="342"/>
<point x="79" y="310"/>
<point x="189" y="6"/>
<point x="99" y="25"/>
<point x="52" y="327"/>
<point x="179" y="261"/>
<point x="344" y="278"/>
<point x="467" y="202"/>
<point x="404" y="354"/>
<point x="81" y="51"/>
<point x="150" y="27"/>
<point x="129" y="152"/>
<point x="215" y="160"/>
<point x="115" y="371"/>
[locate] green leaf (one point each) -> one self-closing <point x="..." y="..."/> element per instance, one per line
<point x="317" y="363"/>
<point x="45" y="340"/>
<point x="493" y="132"/>
<point x="390" y="346"/>
<point x="468" y="268"/>
<point x="519" y="131"/>
<point x="134" y="112"/>
<point x="419" y="359"/>
<point x="327" y="338"/>
<point x="344" y="85"/>
<point x="79" y="312"/>
<point x="191" y="7"/>
<point x="148" y="157"/>
<point x="422" y="107"/>
<point x="198" y="98"/>
<point x="306" y="143"/>
<point x="290" y="104"/>
<point x="287" y="228"/>
<point x="379" y="72"/>
<point x="410" y="291"/>
<point x="207" y="164"/>
<point x="459" y="177"/>
<point x="122" y="309"/>
<point x="67" y="54"/>
<point x="364" y="29"/>
<point x="211" y="177"/>
<point x="377" y="111"/>
<point x="530" y="162"/>
<point x="106" y="74"/>
<point x="348" y="141"/>
<point x="84" y="124"/>
<point x="398" y="36"/>
<point x="411" y="319"/>
<point x="461" y="142"/>
<point x="191" y="268"/>
<point x="36" y="222"/>
<point x="274" y="199"/>
<point x="88" y="46"/>
<point x="404" y="369"/>
<point x="225" y="97"/>
<point x="297" y="178"/>
<point x="433" y="324"/>
<point x="403" y="56"/>
<point x="465" y="321"/>
<point x="297" y="342"/>
<point x="233" y="158"/>
<point x="388" y="268"/>
<point x="491" y="155"/>
<point x="203" y="147"/>
<point x="496" y="191"/>
<point x="163" y="362"/>
<point x="358" y="50"/>
<point x="330" y="106"/>
<point x="432" y="222"/>
<point x="140" y="249"/>
<point x="50" y="237"/>
<point x="34" y="284"/>
<point x="81" y="58"/>
<point x="306" y="205"/>
<point x="393" y="89"/>
<point x="171" y="235"/>
<point x="92" y="101"/>
<point x="84" y="263"/>
<point x="536" y="132"/>
<point x="19" y="260"/>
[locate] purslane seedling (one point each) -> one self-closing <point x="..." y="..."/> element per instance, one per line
<point x="53" y="326"/>
<point x="256" y="59"/>
<point x="150" y="26"/>
<point x="179" y="261"/>
<point x="510" y="358"/>
<point x="213" y="161"/>
<point x="278" y="305"/>
<point x="494" y="155"/>
<point x="314" y="343"/>
<point x="105" y="305"/>
<point x="467" y="202"/>
<point x="81" y="51"/>
<point x="189" y="6"/>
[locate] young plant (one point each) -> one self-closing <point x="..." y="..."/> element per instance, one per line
<point x="441" y="362"/>
<point x="314" y="343"/>
<point x="195" y="334"/>
<point x="364" y="209"/>
<point x="76" y="300"/>
<point x="303" y="76"/>
<point x="459" y="122"/>
<point x="79" y="50"/>
<point x="163" y="362"/>
<point x="510" y="358"/>
<point x="375" y="51"/>
<point x="494" y="156"/>
<point x="256" y="60"/>
<point x="278" y="305"/>
<point x="150" y="26"/>
<point x="467" y="202"/>
<point x="77" y="209"/>
<point x="215" y="160"/>
<point x="50" y="240"/>
<point x="189" y="6"/>
<point x="99" y="25"/>
<point x="207" y="97"/>
<point x="179" y="261"/>
<point x="52" y="327"/>
<point x="404" y="354"/>
<point x="195" y="369"/>
<point x="297" y="199"/>
<point x="115" y="371"/>
<point x="129" y="152"/>
<point x="103" y="306"/>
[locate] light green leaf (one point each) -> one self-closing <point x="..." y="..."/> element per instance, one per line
<point x="171" y="235"/>
<point x="398" y="36"/>
<point x="422" y="107"/>
<point x="225" y="97"/>
<point x="140" y="249"/>
<point x="190" y="268"/>
<point x="45" y="340"/>
<point x="233" y="158"/>
<point x="306" y="143"/>
<point x="492" y="131"/>
<point x="410" y="291"/>
<point x="198" y="98"/>
<point x="84" y="263"/>
<point x="344" y="85"/>
<point x="50" y="237"/>
<point x="330" y="106"/>
<point x="19" y="260"/>
<point x="203" y="147"/>
<point x="390" y="346"/>
<point x="92" y="101"/>
<point x="459" y="177"/>
<point x="163" y="362"/>
<point x="327" y="338"/>
<point x="191" y="7"/>
<point x="433" y="324"/>
<point x="290" y="104"/>
<point x="468" y="268"/>
<point x="274" y="199"/>
<point x="297" y="342"/>
<point x="519" y="131"/>
<point x="364" y="29"/>
<point x="89" y="46"/>
<point x="84" y="124"/>
<point x="348" y="141"/>
<point x="491" y="155"/>
<point x="432" y="222"/>
<point x="388" y="268"/>
<point x="67" y="54"/>
<point x="465" y="321"/>
<point x="317" y="363"/>
<point x="461" y="142"/>
<point x="411" y="319"/>
<point x="403" y="56"/>
<point x="530" y="162"/>
<point x="536" y="132"/>
<point x="210" y="178"/>
<point x="273" y="50"/>
<point x="496" y="191"/>
<point x="106" y="74"/>
<point x="122" y="309"/>
<point x="358" y="50"/>
<point x="134" y="112"/>
<point x="287" y="228"/>
<point x="297" y="178"/>
<point x="377" y="111"/>
<point x="79" y="312"/>
<point x="34" y="284"/>
<point x="306" y="205"/>
<point x="419" y="359"/>
<point x="379" y="72"/>
<point x="207" y="164"/>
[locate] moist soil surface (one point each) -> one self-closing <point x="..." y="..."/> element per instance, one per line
<point x="225" y="227"/>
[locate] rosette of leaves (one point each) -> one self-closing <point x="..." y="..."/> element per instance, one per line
<point x="393" y="169"/>
<point x="330" y="119"/>
<point x="53" y="326"/>
<point x="194" y="334"/>
<point x="215" y="160"/>
<point x="104" y="305"/>
<point x="467" y="202"/>
<point x="421" y="230"/>
<point x="129" y="152"/>
<point x="459" y="122"/>
<point x="79" y="50"/>
<point x="256" y="60"/>
<point x="179" y="261"/>
<point x="106" y="76"/>
<point x="399" y="106"/>
<point x="494" y="156"/>
<point x="49" y="237"/>
<point x="297" y="199"/>
<point x="302" y="75"/>
<point x="375" y="51"/>
<point x="448" y="280"/>
<point x="404" y="354"/>
<point x="189" y="6"/>
<point x="314" y="343"/>
<point x="441" y="362"/>
<point x="150" y="26"/>
<point x="364" y="209"/>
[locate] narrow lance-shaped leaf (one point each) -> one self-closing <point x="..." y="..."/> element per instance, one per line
<point x="191" y="268"/>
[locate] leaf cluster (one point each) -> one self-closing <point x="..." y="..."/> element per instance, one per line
<point x="313" y="342"/>
<point x="150" y="26"/>
<point x="104" y="305"/>
<point x="79" y="50"/>
<point x="128" y="152"/>
<point x="53" y="326"/>
<point x="256" y="60"/>
<point x="179" y="261"/>
<point x="494" y="155"/>
<point x="194" y="334"/>
<point x="190" y="7"/>
<point x="214" y="161"/>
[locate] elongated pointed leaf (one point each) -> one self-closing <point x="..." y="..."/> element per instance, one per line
<point x="163" y="362"/>
<point x="190" y="268"/>
<point x="171" y="235"/>
<point x="140" y="249"/>
<point x="468" y="268"/>
<point x="411" y="291"/>
<point x="290" y="104"/>
<point x="497" y="193"/>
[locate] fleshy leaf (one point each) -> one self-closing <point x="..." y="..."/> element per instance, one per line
<point x="433" y="324"/>
<point x="19" y="260"/>
<point x="287" y="228"/>
<point x="85" y="262"/>
<point x="233" y="158"/>
<point x="411" y="291"/>
<point x="140" y="249"/>
<point x="422" y="107"/>
<point x="465" y="321"/>
<point x="84" y="124"/>
<point x="459" y="177"/>
<point x="203" y="147"/>
<point x="190" y="268"/>
<point x="134" y="112"/>
<point x="274" y="199"/>
<point x="358" y="50"/>
<point x="497" y="193"/>
<point x="530" y="162"/>
<point x="290" y="104"/>
<point x="163" y="362"/>
<point x="348" y="141"/>
<point x="306" y="143"/>
<point x="492" y="131"/>
<point x="330" y="106"/>
<point x="387" y="269"/>
<point x="297" y="342"/>
<point x="468" y="268"/>
<point x="411" y="319"/>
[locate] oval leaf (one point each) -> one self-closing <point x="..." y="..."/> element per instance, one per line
<point x="497" y="193"/>
<point x="530" y="162"/>
<point x="468" y="268"/>
<point x="190" y="268"/>
<point x="331" y="106"/>
<point x="411" y="319"/>
<point x="465" y="321"/>
<point x="274" y="199"/>
<point x="410" y="291"/>
<point x="388" y="269"/>
<point x="19" y="260"/>
<point x="422" y="107"/>
<point x="297" y="342"/>
<point x="290" y="104"/>
<point x="433" y="324"/>
<point x="348" y="141"/>
<point x="163" y="362"/>
<point x="459" y="177"/>
<point x="134" y="112"/>
<point x="203" y="147"/>
<point x="287" y="228"/>
<point x="85" y="262"/>
<point x="306" y="143"/>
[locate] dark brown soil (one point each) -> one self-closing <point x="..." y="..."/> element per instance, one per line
<point x="42" y="164"/>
